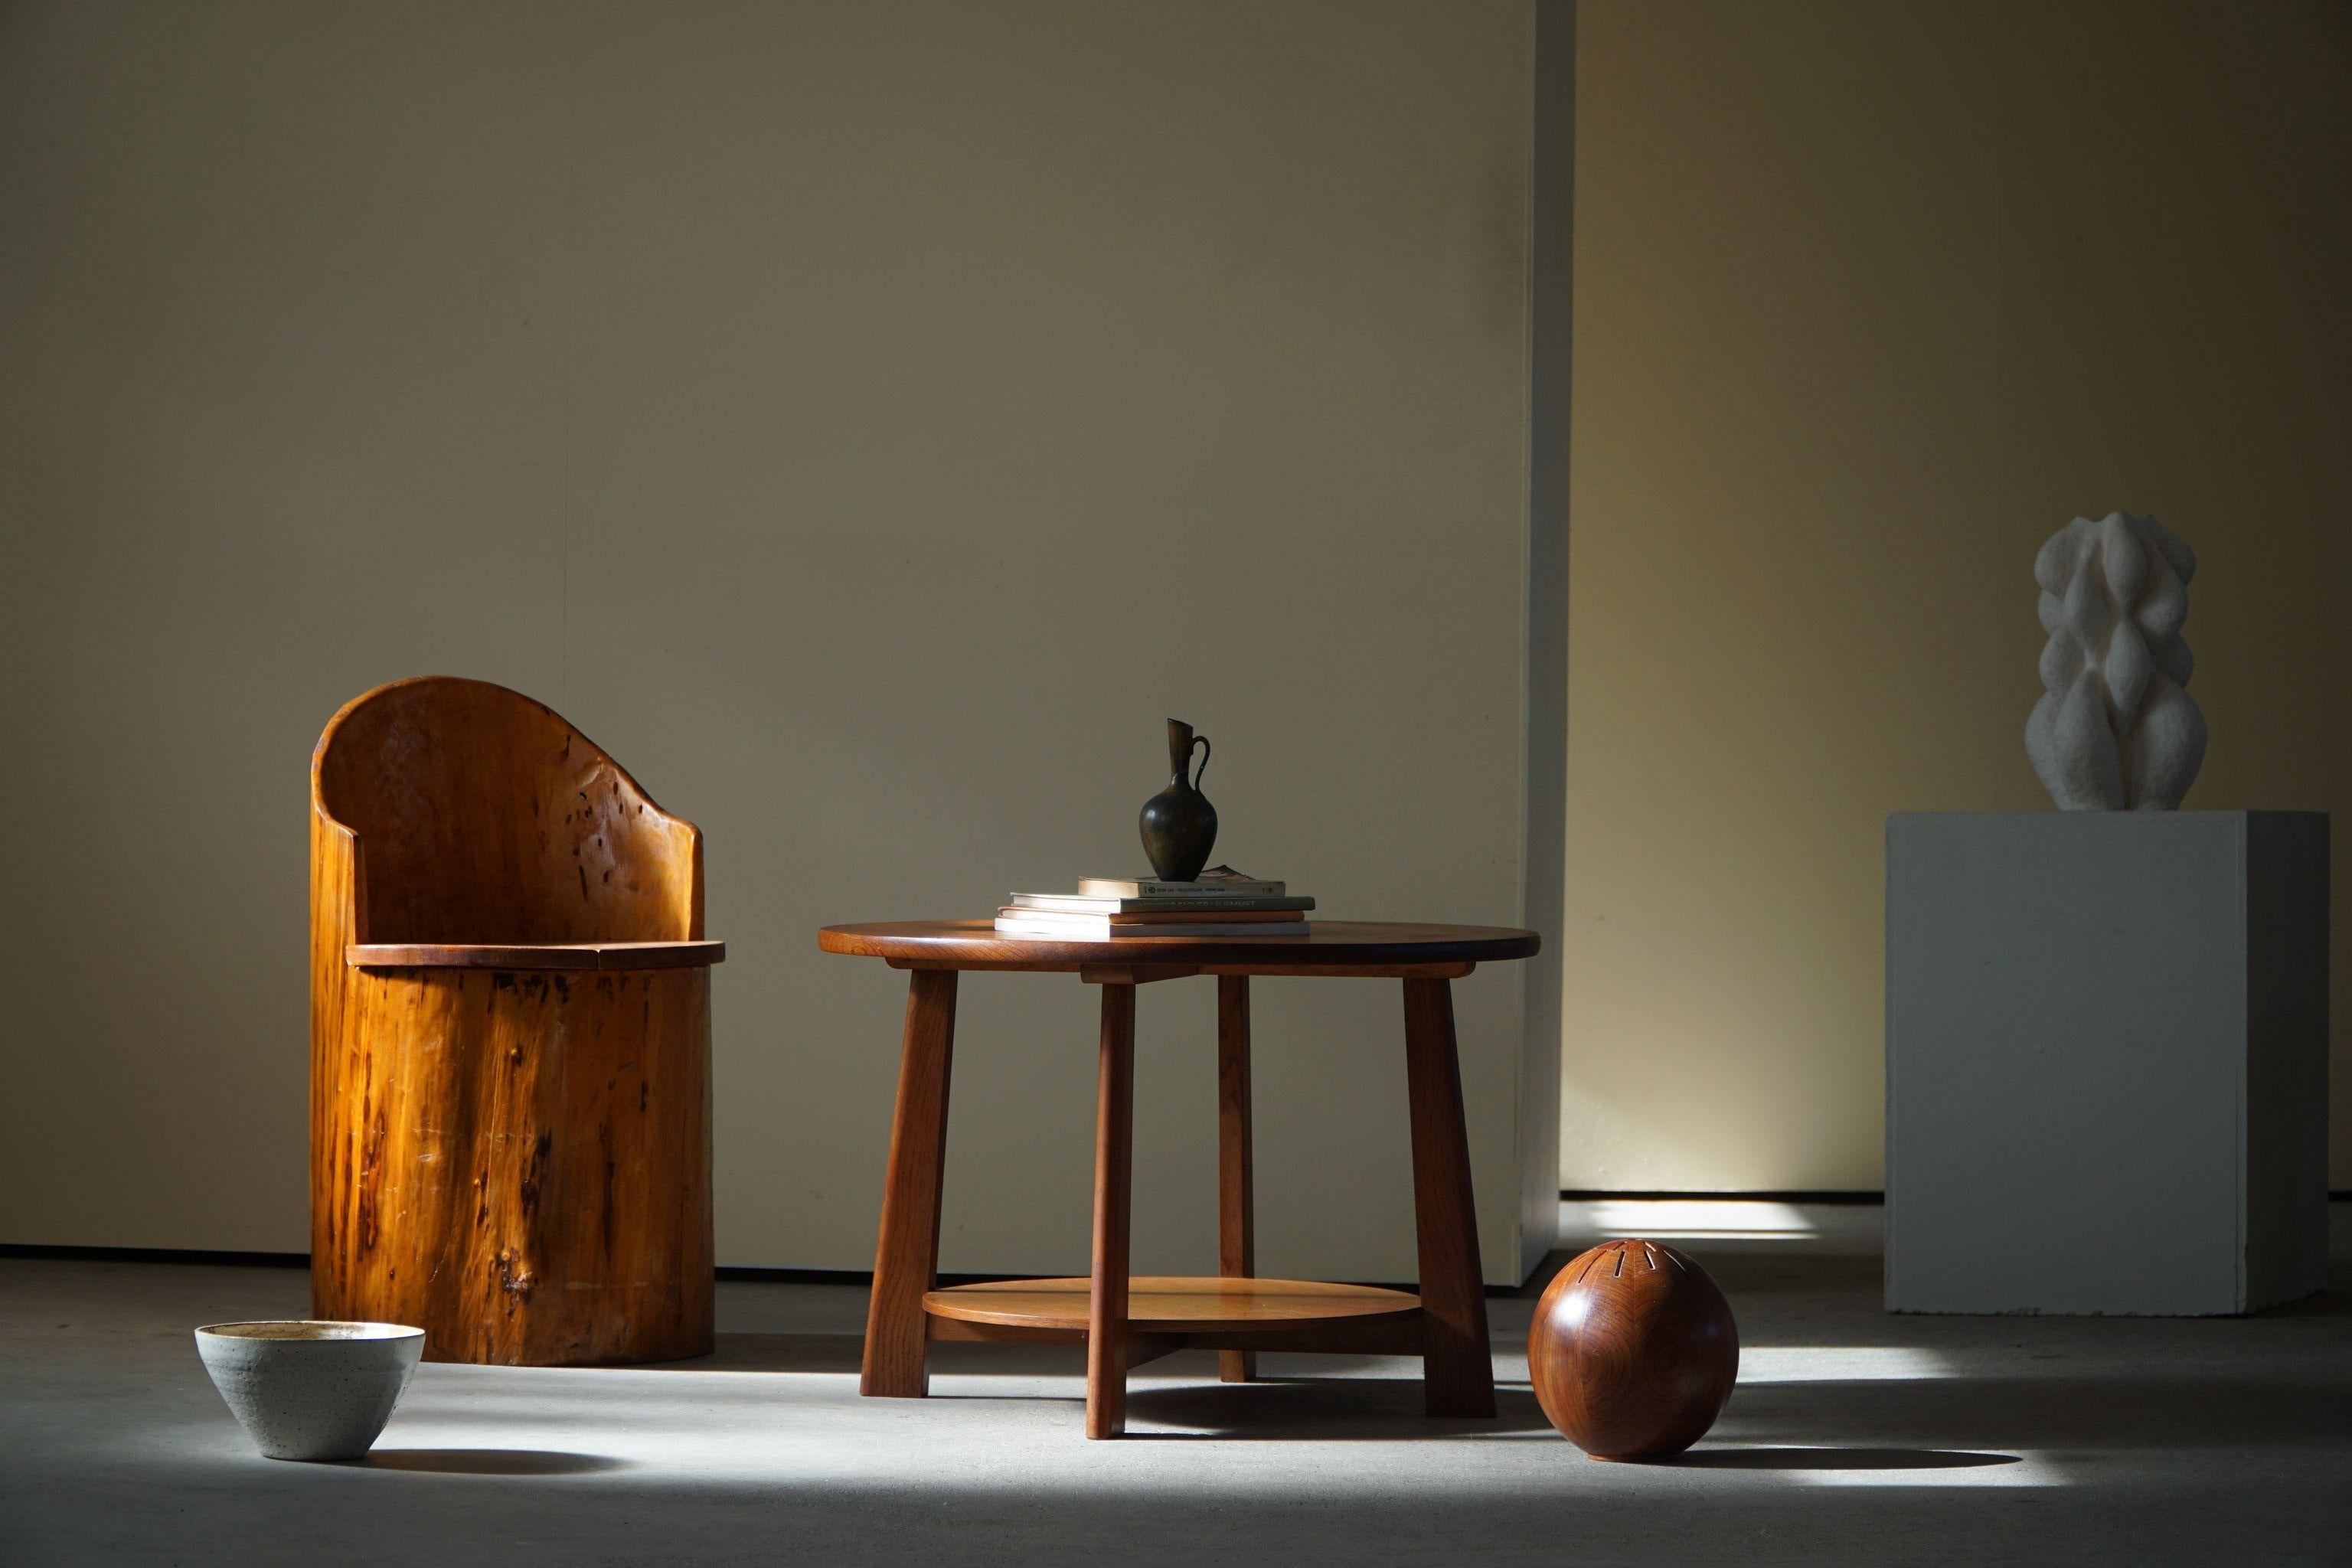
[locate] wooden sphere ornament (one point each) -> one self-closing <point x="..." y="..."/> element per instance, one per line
<point x="1633" y="1352"/>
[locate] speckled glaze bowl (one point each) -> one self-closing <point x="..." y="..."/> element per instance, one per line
<point x="311" y="1390"/>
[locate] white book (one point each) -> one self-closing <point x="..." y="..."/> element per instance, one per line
<point x="1217" y="882"/>
<point x="1081" y="928"/>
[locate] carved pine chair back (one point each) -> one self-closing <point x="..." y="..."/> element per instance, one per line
<point x="480" y="816"/>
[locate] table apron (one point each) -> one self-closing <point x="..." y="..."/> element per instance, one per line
<point x="1145" y="970"/>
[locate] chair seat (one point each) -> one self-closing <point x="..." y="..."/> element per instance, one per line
<point x="537" y="955"/>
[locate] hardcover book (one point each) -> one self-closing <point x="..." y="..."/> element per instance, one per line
<point x="1147" y="917"/>
<point x="1082" y="904"/>
<point x="1217" y="881"/>
<point x="1098" y="928"/>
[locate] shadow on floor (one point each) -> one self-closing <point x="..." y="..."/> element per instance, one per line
<point x="1320" y="1410"/>
<point x="486" y="1461"/>
<point x="2141" y="1410"/>
<point x="1923" y="1423"/>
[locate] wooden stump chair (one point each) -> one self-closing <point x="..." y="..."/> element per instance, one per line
<point x="509" y="1036"/>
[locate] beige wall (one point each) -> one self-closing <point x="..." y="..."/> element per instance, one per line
<point x="811" y="402"/>
<point x="1870" y="299"/>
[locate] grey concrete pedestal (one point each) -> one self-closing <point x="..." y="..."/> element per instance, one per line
<point x="2107" y="1060"/>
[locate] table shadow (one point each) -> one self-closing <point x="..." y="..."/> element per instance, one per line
<point x="1318" y="1410"/>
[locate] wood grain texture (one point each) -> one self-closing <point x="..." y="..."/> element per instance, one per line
<point x="1633" y="1351"/>
<point x="1366" y="948"/>
<point x="1457" y="1367"/>
<point x="483" y="817"/>
<point x="1371" y="1336"/>
<point x="907" y="1254"/>
<point x="1134" y="973"/>
<point x="1140" y="1348"/>
<point x="519" y="1164"/>
<point x="564" y="956"/>
<point x="515" y="1159"/>
<point x="1236" y="1194"/>
<point x="1159" y="1304"/>
<point x="1107" y="1304"/>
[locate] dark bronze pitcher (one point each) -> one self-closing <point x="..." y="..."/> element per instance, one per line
<point x="1180" y="826"/>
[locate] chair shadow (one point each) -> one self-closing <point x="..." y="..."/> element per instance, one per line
<point x="1827" y="1459"/>
<point x="486" y="1461"/>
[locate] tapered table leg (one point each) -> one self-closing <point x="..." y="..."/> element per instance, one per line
<point x="1236" y="1222"/>
<point x="1457" y="1370"/>
<point x="907" y="1256"/>
<point x="1114" y="1169"/>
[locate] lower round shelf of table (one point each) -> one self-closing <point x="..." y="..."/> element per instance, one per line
<point x="1211" y="1309"/>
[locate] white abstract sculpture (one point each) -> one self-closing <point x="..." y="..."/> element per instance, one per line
<point x="2115" y="730"/>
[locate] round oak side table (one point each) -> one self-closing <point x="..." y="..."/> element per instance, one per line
<point x="1123" y="1321"/>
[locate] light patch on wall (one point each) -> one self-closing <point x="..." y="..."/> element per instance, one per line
<point x="1686" y="1219"/>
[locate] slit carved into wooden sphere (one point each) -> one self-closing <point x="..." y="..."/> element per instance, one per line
<point x="1633" y="1352"/>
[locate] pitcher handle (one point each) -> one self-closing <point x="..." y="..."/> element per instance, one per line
<point x="1202" y="741"/>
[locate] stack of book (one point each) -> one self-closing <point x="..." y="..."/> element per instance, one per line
<point x="1221" y="902"/>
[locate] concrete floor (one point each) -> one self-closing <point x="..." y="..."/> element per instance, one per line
<point x="1853" y="1437"/>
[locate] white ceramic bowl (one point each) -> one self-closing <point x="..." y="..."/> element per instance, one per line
<point x="307" y="1390"/>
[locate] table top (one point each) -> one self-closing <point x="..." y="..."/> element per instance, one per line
<point x="1329" y="947"/>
